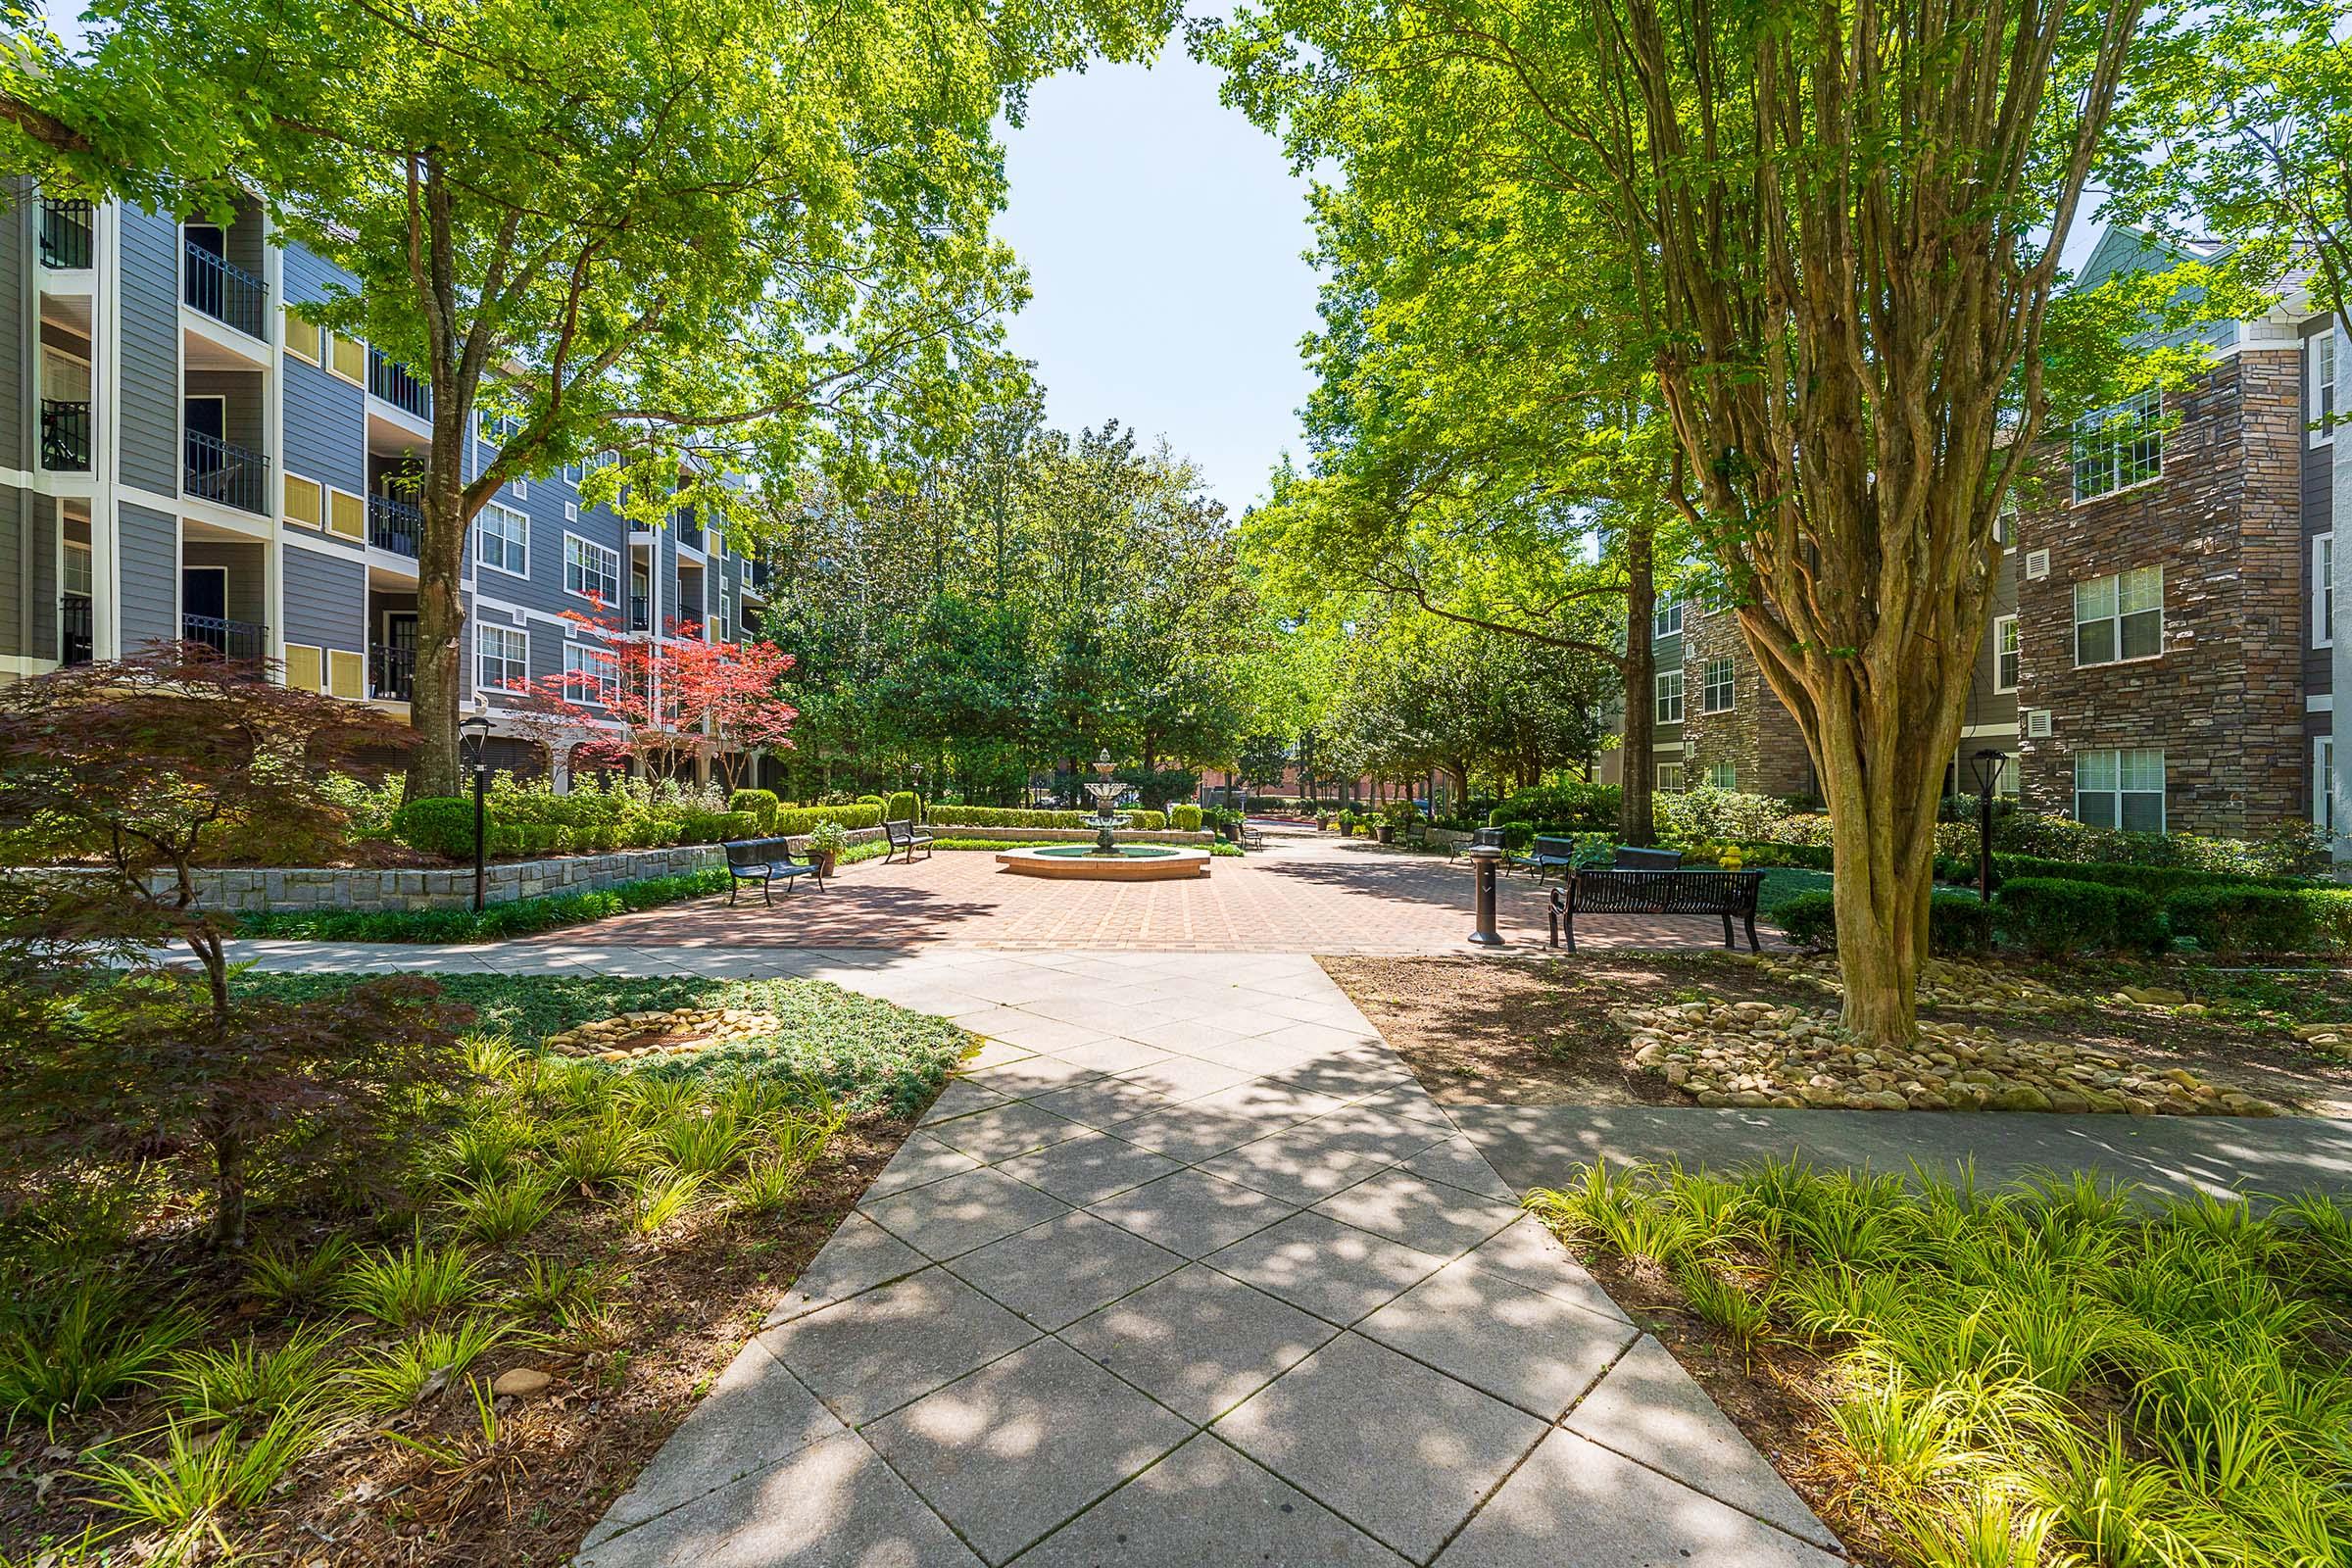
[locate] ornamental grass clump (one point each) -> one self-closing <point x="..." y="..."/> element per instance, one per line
<point x="2059" y="1373"/>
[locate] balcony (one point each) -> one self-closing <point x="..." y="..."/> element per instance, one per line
<point x="641" y="616"/>
<point x="394" y="525"/>
<point x="390" y="380"/>
<point x="231" y="639"/>
<point x="68" y="234"/>
<point x="223" y="290"/>
<point x="73" y="629"/>
<point x="65" y="435"/>
<point x="689" y="533"/>
<point x="391" y="673"/>
<point x="219" y="470"/>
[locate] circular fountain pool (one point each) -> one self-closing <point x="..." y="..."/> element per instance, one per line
<point x="1082" y="863"/>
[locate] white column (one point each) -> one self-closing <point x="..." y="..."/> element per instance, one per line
<point x="2340" y="630"/>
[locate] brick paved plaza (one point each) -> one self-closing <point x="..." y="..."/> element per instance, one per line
<point x="1306" y="893"/>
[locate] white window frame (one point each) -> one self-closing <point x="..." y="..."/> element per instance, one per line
<point x="1723" y="775"/>
<point x="2113" y="618"/>
<point x="327" y="353"/>
<point x="2326" y="381"/>
<point x="1667" y="693"/>
<point x="2323" y="784"/>
<point x="521" y="539"/>
<point x="597" y="662"/>
<point x="2120" y="759"/>
<point x="2323" y="590"/>
<point x="613" y="600"/>
<point x="1669" y="779"/>
<point x="483" y="634"/>
<point x="2122" y="460"/>
<point x="523" y="489"/>
<point x="2004" y="630"/>
<point x="64" y="572"/>
<point x="1709" y="686"/>
<point x="1666" y="620"/>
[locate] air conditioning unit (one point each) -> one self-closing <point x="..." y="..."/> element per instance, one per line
<point x="2038" y="565"/>
<point x="2037" y="723"/>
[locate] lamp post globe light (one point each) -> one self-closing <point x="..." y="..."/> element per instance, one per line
<point x="1987" y="764"/>
<point x="473" y="741"/>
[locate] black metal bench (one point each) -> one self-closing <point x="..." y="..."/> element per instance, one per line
<point x="1545" y="854"/>
<point x="766" y="861"/>
<point x="905" y="837"/>
<point x="1614" y="891"/>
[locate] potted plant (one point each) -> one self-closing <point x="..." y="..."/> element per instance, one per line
<point x="826" y="841"/>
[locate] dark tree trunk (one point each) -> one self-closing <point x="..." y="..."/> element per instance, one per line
<point x="1637" y="821"/>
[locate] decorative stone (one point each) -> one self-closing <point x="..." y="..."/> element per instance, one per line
<point x="522" y="1382"/>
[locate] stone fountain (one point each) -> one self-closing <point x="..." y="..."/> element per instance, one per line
<point x="1104" y="789"/>
<point x="1107" y="860"/>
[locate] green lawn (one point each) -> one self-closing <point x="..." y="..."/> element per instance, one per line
<point x="1785" y="882"/>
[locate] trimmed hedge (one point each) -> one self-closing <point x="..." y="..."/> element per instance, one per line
<point x="2248" y="919"/>
<point x="1757" y="855"/>
<point x="795" y="821"/>
<point x="522" y="917"/>
<point x="900" y="808"/>
<point x="436" y="824"/>
<point x="1956" y="922"/>
<point x="2055" y="917"/>
<point x="1003" y="817"/>
<point x="1185" y="818"/>
<point x="2160" y="880"/>
<point x="762" y="803"/>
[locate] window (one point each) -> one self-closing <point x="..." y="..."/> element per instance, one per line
<point x="502" y="540"/>
<point x="1723" y="775"/>
<point x="346" y="515"/>
<point x="505" y="658"/>
<point x="2004" y="521"/>
<point x="2119" y="789"/>
<point x="2323" y="783"/>
<point x="306" y="503"/>
<point x="1715" y="691"/>
<point x="2322" y="591"/>
<point x="523" y="489"/>
<point x="2324" y="356"/>
<point x="303" y="340"/>
<point x="347" y="357"/>
<point x="590" y="675"/>
<point x="2004" y="652"/>
<point x="76" y="578"/>
<point x="1667" y="619"/>
<point x="1670" y="778"/>
<point x="1670" y="697"/>
<point x="2120" y="618"/>
<point x="591" y="570"/>
<point x="2119" y="446"/>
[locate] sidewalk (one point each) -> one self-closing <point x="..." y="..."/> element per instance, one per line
<point x="1188" y="1270"/>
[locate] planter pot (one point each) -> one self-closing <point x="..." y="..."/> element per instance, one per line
<point x="1387" y="833"/>
<point x="823" y="861"/>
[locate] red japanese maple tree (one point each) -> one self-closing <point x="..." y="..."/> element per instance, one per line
<point x="648" y="696"/>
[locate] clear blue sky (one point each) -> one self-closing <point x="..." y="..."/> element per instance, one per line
<point x="1162" y="234"/>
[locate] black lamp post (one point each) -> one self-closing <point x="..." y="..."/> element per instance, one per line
<point x="916" y="771"/>
<point x="474" y="738"/>
<point x="1988" y="764"/>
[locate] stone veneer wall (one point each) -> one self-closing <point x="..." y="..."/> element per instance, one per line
<point x="1757" y="736"/>
<point x="351" y="888"/>
<point x="2225" y="698"/>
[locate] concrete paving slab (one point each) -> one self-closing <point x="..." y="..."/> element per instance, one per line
<point x="867" y="1355"/>
<point x="1197" y="1340"/>
<point x="1056" y="1273"/>
<point x="1192" y="1213"/>
<point x="1526" y="1349"/>
<point x="1457" y="1163"/>
<point x="756" y="1416"/>
<point x="1084" y="1170"/>
<point x="1018" y="1446"/>
<point x="1427" y="1217"/>
<point x="1650" y="1410"/>
<point x="948" y="1218"/>
<point x="1333" y="1270"/>
<point x="1208" y="1506"/>
<point x="1104" y="1101"/>
<point x="1533" y="1256"/>
<point x="1347" y="1423"/>
<point x="920" y="1160"/>
<point x="1004" y="1130"/>
<point x="859" y="1255"/>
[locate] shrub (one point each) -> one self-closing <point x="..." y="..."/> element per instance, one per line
<point x="792" y="824"/>
<point x="2159" y="880"/>
<point x="1564" y="808"/>
<point x="2054" y="918"/>
<point x="1758" y="854"/>
<point x="1003" y="817"/>
<point x="437" y="825"/>
<point x="2245" y="918"/>
<point x="521" y="917"/>
<point x="716" y="827"/>
<point x="1713" y="813"/>
<point x="762" y="803"/>
<point x="2288" y="851"/>
<point x="1185" y="818"/>
<point x="900" y="808"/>
<point x="1957" y="923"/>
<point x="869" y="799"/>
<point x="1143" y="820"/>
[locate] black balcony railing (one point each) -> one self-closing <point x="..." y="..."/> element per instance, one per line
<point x="73" y="629"/>
<point x="231" y="639"/>
<point x="68" y="233"/>
<point x="223" y="290"/>
<point x="65" y="435"/>
<point x="641" y="616"/>
<point x="392" y="674"/>
<point x="219" y="470"/>
<point x="394" y="525"/>
<point x="390" y="380"/>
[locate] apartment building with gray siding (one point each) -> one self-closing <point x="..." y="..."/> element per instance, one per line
<point x="184" y="457"/>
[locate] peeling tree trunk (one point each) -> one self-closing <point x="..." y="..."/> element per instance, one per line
<point x="440" y="624"/>
<point x="1637" y="819"/>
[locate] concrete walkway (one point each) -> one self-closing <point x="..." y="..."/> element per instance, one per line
<point x="2277" y="1156"/>
<point x="1189" y="1270"/>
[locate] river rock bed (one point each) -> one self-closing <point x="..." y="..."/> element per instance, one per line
<point x="662" y="1032"/>
<point x="1754" y="1053"/>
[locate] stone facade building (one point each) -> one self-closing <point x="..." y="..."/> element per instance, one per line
<point x="2162" y="649"/>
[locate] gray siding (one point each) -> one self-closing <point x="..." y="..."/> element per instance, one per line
<point x="240" y="392"/>
<point x="40" y="564"/>
<point x="2318" y="518"/>
<point x="247" y="593"/>
<point x="326" y="424"/>
<point x="22" y="309"/>
<point x="327" y="600"/>
<point x="149" y="394"/>
<point x="15" y="608"/>
<point x="148" y="550"/>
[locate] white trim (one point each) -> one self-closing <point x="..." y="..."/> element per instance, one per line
<point x="2323" y="589"/>
<point x="2323" y="346"/>
<point x="485" y="688"/>
<point x="2320" y="703"/>
<point x="2324" y="790"/>
<point x="619" y="600"/>
<point x="1998" y="621"/>
<point x="326" y="347"/>
<point x="479" y="534"/>
<point x="2115" y="618"/>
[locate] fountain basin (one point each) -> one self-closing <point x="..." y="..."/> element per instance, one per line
<point x="1134" y="863"/>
